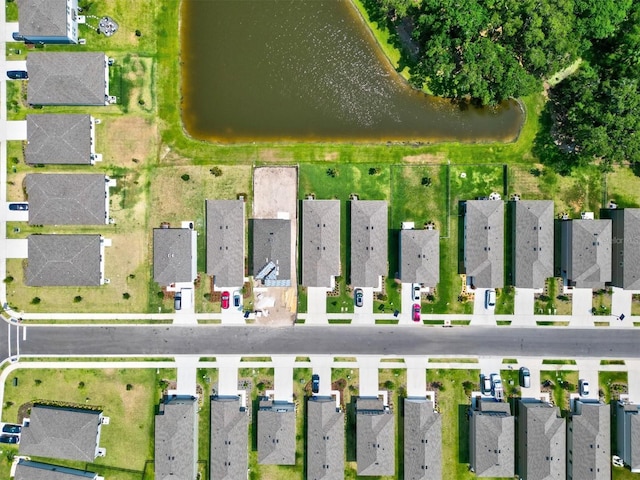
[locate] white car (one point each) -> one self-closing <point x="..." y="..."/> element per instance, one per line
<point x="415" y="289"/>
<point x="496" y="382"/>
<point x="583" y="387"/>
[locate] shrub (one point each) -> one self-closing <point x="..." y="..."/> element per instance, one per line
<point x="126" y="295"/>
<point x="138" y="33"/>
<point x="77" y="299"/>
<point x="332" y="172"/>
<point x="185" y="177"/>
<point x="81" y="385"/>
<point x="374" y="170"/>
<point x="129" y="387"/>
<point x="215" y="171"/>
<point x="9" y="279"/>
<point x="426" y="181"/>
<point x="37" y="382"/>
<point x="35" y="300"/>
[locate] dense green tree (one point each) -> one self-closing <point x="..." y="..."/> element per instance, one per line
<point x="597" y="19"/>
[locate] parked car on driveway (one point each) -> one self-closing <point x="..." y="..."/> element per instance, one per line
<point x="315" y="383"/>
<point x="583" y="387"/>
<point x="9" y="428"/>
<point x="416" y="312"/>
<point x="415" y="289"/>
<point x="490" y="298"/>
<point x="357" y="296"/>
<point x="177" y="301"/>
<point x="225" y="300"/>
<point x="9" y="439"/>
<point x="237" y="299"/>
<point x="524" y="377"/>
<point x="18" y="206"/>
<point x="17" y="75"/>
<point x="496" y="381"/>
<point x="485" y="384"/>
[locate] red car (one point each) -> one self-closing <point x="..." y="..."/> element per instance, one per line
<point x="225" y="300"/>
<point x="416" y="312"/>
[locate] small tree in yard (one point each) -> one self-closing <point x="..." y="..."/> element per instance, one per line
<point x="185" y="177"/>
<point x="35" y="300"/>
<point x="216" y="171"/>
<point x="126" y="295"/>
<point x="374" y="170"/>
<point x="77" y="299"/>
<point x="426" y="181"/>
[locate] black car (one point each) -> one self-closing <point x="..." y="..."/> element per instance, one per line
<point x="17" y="75"/>
<point x="18" y="206"/>
<point x="9" y="439"/>
<point x="9" y="428"/>
<point x="315" y="383"/>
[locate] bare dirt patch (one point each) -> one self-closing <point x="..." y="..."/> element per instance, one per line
<point x="273" y="155"/>
<point x="127" y="141"/>
<point x="425" y="158"/>
<point x="331" y="156"/>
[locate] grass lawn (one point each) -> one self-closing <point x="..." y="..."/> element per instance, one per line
<point x="612" y="384"/>
<point x="505" y="300"/>
<point x="207" y="379"/>
<point x="551" y="301"/>
<point x="562" y="383"/>
<point x="602" y="302"/>
<point x="129" y="436"/>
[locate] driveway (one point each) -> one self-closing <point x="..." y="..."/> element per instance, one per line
<point x="364" y="315"/>
<point x="16" y="215"/>
<point x="228" y="374"/>
<point x="621" y="305"/>
<point x="187" y="368"/>
<point x="481" y="314"/>
<point x="17" y="248"/>
<point x="9" y="28"/>
<point x="634" y="379"/>
<point x="368" y="371"/>
<point x="406" y="310"/>
<point x="524" y="301"/>
<point x="588" y="370"/>
<point x="416" y="376"/>
<point x="582" y="302"/>
<point x="283" y="377"/>
<point x="16" y="130"/>
<point x="321" y="365"/>
<point x="232" y="315"/>
<point x="316" y="305"/>
<point x="15" y="65"/>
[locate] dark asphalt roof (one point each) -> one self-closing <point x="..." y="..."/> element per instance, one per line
<point x="369" y="238"/>
<point x="272" y="243"/>
<point x="590" y="440"/>
<point x="67" y="198"/>
<point x="63" y="139"/>
<point x="586" y="252"/>
<point x="67" y="78"/>
<point x="276" y="434"/>
<point x="422" y="441"/>
<point x="325" y="440"/>
<point x="176" y="439"/>
<point x="229" y="447"/>
<point x="492" y="439"/>
<point x="320" y="242"/>
<point x="172" y="255"/>
<point x="63" y="433"/>
<point x="29" y="470"/>
<point x="225" y="242"/>
<point x="63" y="260"/>
<point x="420" y="257"/>
<point x="484" y="242"/>
<point x="375" y="438"/>
<point x="533" y="234"/>
<point x="43" y="18"/>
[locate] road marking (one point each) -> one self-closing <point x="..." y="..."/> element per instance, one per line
<point x="9" y="339"/>
<point x="24" y="333"/>
<point x="18" y="340"/>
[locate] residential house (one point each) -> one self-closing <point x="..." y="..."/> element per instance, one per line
<point x="276" y="432"/>
<point x="62" y="433"/>
<point x="325" y="439"/>
<point x="68" y="78"/>
<point x="542" y="441"/>
<point x="420" y="257"/>
<point x="422" y="440"/>
<point x="229" y="456"/>
<point x="589" y="441"/>
<point x="176" y="439"/>
<point x="68" y="198"/>
<point x="625" y="247"/>
<point x="368" y="243"/>
<point x="628" y="434"/>
<point x="29" y="470"/>
<point x="60" y="139"/>
<point x="272" y="252"/>
<point x="320" y="242"/>
<point x="532" y="242"/>
<point x="484" y="243"/>
<point x="491" y="439"/>
<point x="65" y="261"/>
<point x="375" y="437"/>
<point x="174" y="256"/>
<point x="225" y="242"/>
<point x="48" y="21"/>
<point x="586" y="252"/>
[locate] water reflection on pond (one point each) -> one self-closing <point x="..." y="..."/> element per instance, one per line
<point x="309" y="70"/>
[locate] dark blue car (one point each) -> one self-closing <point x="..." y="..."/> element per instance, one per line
<point x="9" y="438"/>
<point x="17" y="75"/>
<point x="9" y="428"/>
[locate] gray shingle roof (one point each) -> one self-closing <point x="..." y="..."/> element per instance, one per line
<point x="325" y="440"/>
<point x="28" y="470"/>
<point x="368" y="242"/>
<point x="67" y="198"/>
<point x="625" y="242"/>
<point x="320" y="242"/>
<point x="67" y="78"/>
<point x="422" y="441"/>
<point x="484" y="243"/>
<point x="628" y="434"/>
<point x="63" y="260"/>
<point x="542" y="438"/>
<point x="586" y="252"/>
<point x="176" y="439"/>
<point x="229" y="455"/>
<point x="492" y="440"/>
<point x="375" y="438"/>
<point x="58" y="139"/>
<point x="172" y="256"/>
<point x="272" y="243"/>
<point x="589" y="441"/>
<point x="43" y="18"/>
<point x="63" y="433"/>
<point x="276" y="433"/>
<point x="533" y="243"/>
<point x="225" y="242"/>
<point x="420" y="256"/>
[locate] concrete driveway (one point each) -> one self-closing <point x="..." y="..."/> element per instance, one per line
<point x="228" y="374"/>
<point x="316" y="306"/>
<point x="588" y="370"/>
<point x="15" y="65"/>
<point x="9" y="28"/>
<point x="17" y="248"/>
<point x="16" y="130"/>
<point x="232" y="315"/>
<point x="582" y="302"/>
<point x="634" y="379"/>
<point x="406" y="299"/>
<point x="481" y="314"/>
<point x="416" y="376"/>
<point x="16" y="215"/>
<point x="524" y="301"/>
<point x="621" y="305"/>
<point x="283" y="377"/>
<point x="321" y="365"/>
<point x="368" y="371"/>
<point x="364" y="315"/>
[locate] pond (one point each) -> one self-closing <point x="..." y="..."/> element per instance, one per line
<point x="309" y="70"/>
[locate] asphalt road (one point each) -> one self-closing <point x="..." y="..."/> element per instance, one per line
<point x="211" y="340"/>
